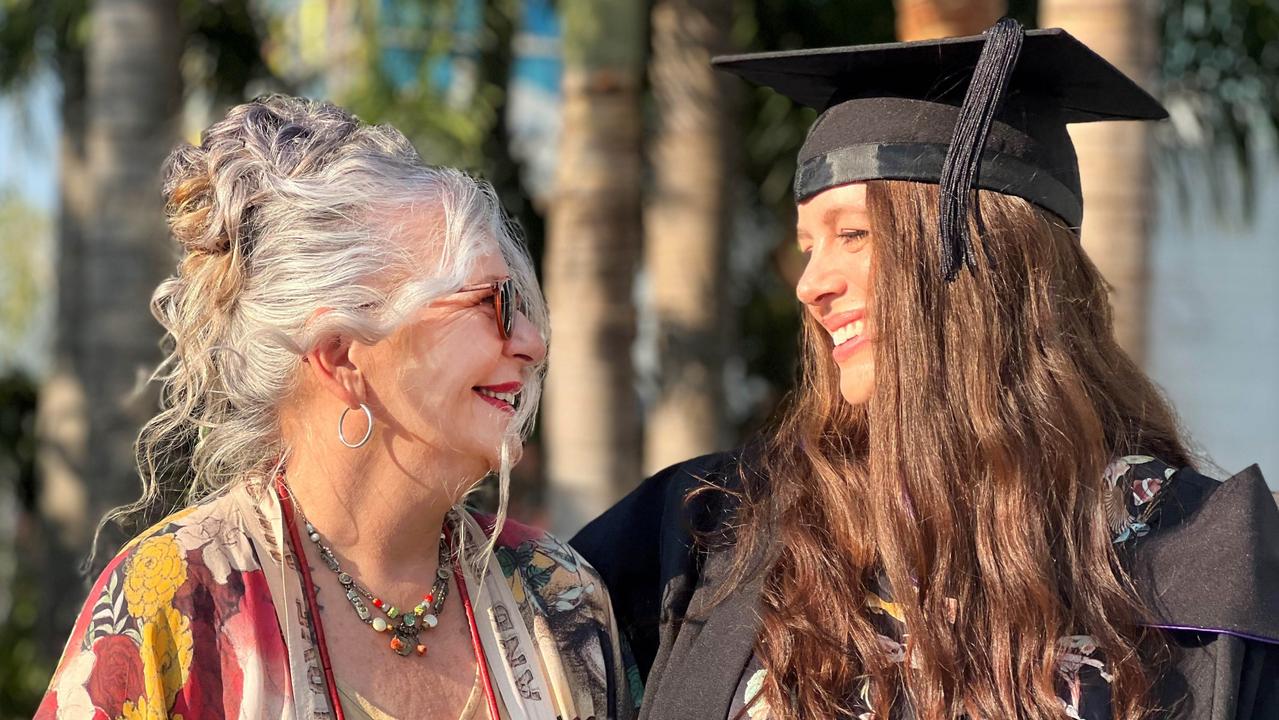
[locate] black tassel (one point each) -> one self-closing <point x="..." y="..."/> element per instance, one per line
<point x="963" y="161"/>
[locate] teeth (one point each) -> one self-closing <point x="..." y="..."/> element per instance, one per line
<point x="848" y="332"/>
<point x="506" y="397"/>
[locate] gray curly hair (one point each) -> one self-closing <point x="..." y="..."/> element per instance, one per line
<point x="288" y="206"/>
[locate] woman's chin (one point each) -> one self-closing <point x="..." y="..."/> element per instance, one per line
<point x="856" y="393"/>
<point x="494" y="458"/>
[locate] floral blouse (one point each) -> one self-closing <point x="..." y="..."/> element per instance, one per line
<point x="1083" y="681"/>
<point x="202" y="617"/>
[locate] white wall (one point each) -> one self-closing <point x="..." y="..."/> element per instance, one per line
<point x="1214" y="320"/>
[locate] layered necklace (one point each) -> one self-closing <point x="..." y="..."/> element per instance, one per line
<point x="404" y="627"/>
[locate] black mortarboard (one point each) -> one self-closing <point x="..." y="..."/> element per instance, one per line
<point x="987" y="111"/>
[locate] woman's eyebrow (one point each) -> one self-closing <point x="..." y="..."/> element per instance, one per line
<point x="487" y="279"/>
<point x="838" y="211"/>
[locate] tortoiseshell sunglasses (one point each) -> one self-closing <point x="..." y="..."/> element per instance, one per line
<point x="505" y="303"/>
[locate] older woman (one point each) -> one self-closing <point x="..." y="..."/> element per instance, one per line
<point x="976" y="505"/>
<point x="356" y="340"/>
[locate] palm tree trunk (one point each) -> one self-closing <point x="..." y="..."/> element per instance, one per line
<point x="685" y="227"/>
<point x="62" y="424"/>
<point x="1114" y="159"/>
<point x="135" y="105"/>
<point x="113" y="253"/>
<point x="592" y="418"/>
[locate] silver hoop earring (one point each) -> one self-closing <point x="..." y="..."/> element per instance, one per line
<point x="367" y="433"/>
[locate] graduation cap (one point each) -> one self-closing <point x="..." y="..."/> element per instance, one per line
<point x="987" y="111"/>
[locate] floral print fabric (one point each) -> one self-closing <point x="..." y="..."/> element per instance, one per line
<point x="202" y="617"/>
<point x="179" y="625"/>
<point x="558" y="595"/>
<point x="1133" y="485"/>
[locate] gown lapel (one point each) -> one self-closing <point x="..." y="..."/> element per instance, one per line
<point x="705" y="662"/>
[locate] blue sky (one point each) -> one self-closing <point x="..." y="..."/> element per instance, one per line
<point x="29" y="142"/>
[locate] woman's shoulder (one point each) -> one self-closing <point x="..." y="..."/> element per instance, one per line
<point x="1204" y="553"/>
<point x="667" y="508"/>
<point x="1149" y="496"/>
<point x="200" y="545"/>
<point x="161" y="614"/>
<point x="1205" y="560"/>
<point x="546" y="571"/>
<point x="205" y="543"/>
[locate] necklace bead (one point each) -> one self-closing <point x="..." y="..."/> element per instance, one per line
<point x="425" y="615"/>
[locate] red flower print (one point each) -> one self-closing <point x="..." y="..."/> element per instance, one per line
<point x="117" y="674"/>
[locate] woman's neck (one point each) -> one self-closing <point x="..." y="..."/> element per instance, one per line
<point x="380" y="511"/>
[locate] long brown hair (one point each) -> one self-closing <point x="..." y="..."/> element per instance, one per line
<point x="974" y="476"/>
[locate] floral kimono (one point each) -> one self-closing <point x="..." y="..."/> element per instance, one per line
<point x="203" y="616"/>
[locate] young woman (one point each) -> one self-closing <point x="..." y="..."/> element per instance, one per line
<point x="975" y="505"/>
<point x="356" y="340"/>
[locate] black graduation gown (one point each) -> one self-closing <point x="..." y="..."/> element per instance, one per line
<point x="1208" y="570"/>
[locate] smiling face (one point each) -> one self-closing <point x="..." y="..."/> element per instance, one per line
<point x="833" y="231"/>
<point x="447" y="379"/>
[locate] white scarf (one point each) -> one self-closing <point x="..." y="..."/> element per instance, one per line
<point x="515" y="665"/>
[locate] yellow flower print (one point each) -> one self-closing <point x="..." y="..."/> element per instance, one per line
<point x="143" y="710"/>
<point x="880" y="605"/>
<point x="183" y="646"/>
<point x="167" y="648"/>
<point x="153" y="575"/>
<point x="517" y="588"/>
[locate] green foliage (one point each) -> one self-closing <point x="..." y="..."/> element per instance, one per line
<point x="33" y="32"/>
<point x="461" y="126"/>
<point x="605" y="34"/>
<point x="23" y="233"/>
<point x="446" y="130"/>
<point x="227" y="37"/>
<point x="22" y="674"/>
<point x="17" y="438"/>
<point x="1222" y="58"/>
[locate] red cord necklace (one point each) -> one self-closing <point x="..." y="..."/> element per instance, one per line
<point x="304" y="569"/>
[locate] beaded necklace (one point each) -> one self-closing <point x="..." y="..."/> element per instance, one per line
<point x="405" y="627"/>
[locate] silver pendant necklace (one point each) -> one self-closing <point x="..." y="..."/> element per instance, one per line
<point x="405" y="627"/>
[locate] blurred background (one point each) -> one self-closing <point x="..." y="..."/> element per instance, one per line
<point x="654" y="194"/>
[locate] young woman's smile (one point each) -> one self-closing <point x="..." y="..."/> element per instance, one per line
<point x="833" y="230"/>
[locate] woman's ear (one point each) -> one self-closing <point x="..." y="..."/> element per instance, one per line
<point x="333" y="368"/>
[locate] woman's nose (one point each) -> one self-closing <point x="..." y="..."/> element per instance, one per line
<point x="526" y="341"/>
<point x="820" y="282"/>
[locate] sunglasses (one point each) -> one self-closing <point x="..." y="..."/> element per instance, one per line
<point x="505" y="303"/>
